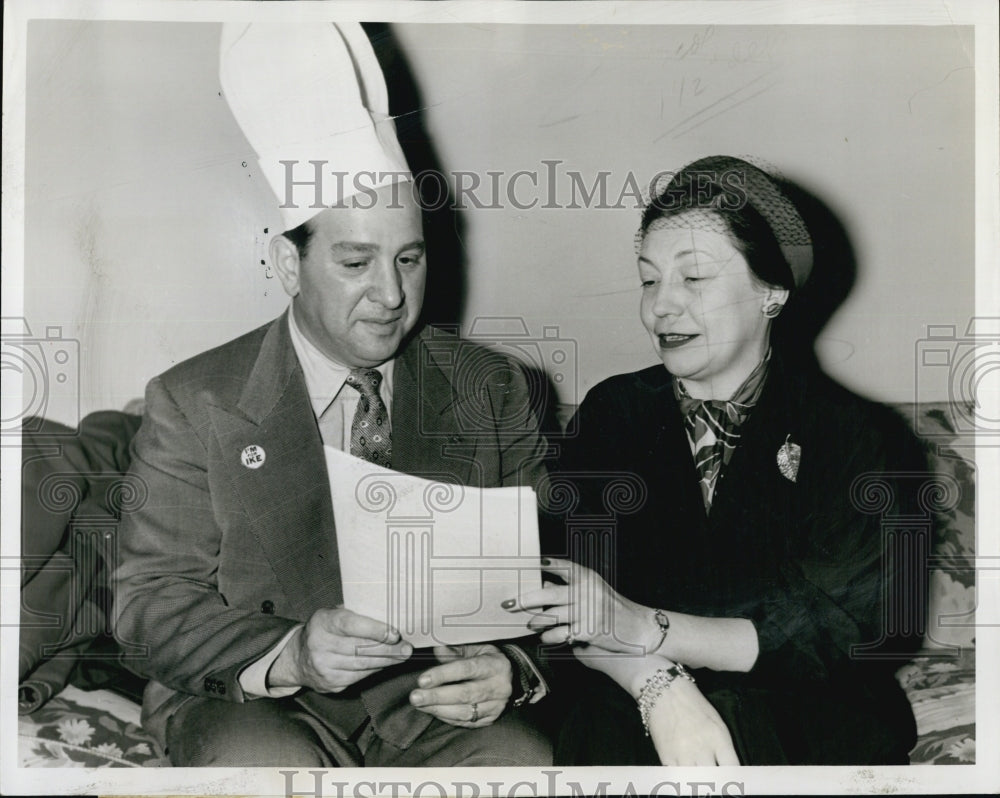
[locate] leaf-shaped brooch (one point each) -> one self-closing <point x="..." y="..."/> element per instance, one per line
<point x="789" y="457"/>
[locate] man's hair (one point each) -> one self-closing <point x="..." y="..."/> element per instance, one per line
<point x="300" y="236"/>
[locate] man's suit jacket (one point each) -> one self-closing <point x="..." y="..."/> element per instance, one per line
<point x="223" y="560"/>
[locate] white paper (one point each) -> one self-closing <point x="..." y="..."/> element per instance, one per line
<point x="433" y="559"/>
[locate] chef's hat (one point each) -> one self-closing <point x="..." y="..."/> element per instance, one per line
<point x="305" y="93"/>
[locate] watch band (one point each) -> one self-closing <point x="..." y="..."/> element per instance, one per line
<point x="663" y="621"/>
<point x="525" y="674"/>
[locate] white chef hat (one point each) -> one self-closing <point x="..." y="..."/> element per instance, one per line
<point x="308" y="92"/>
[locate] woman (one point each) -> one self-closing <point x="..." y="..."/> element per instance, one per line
<point x="740" y="594"/>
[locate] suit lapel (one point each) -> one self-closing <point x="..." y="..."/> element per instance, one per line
<point x="427" y="437"/>
<point x="287" y="496"/>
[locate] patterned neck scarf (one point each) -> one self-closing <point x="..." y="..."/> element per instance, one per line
<point x="713" y="426"/>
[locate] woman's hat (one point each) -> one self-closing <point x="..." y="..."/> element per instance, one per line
<point x="742" y="183"/>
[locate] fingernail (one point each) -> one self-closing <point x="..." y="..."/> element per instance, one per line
<point x="407" y="649"/>
<point x="508" y="604"/>
<point x="546" y="561"/>
<point x="417" y="699"/>
<point x="424" y="681"/>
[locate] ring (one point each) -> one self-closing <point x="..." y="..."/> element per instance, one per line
<point x="475" y="713"/>
<point x="570" y="637"/>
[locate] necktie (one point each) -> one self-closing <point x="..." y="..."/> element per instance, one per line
<point x="370" y="438"/>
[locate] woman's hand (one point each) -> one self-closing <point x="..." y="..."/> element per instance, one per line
<point x="588" y="610"/>
<point x="686" y="729"/>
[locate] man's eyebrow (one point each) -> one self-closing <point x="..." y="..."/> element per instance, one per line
<point x="418" y="244"/>
<point x="349" y="247"/>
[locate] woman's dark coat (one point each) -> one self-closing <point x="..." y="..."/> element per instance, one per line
<point x="827" y="567"/>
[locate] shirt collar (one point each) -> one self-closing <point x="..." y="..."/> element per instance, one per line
<point x="324" y="376"/>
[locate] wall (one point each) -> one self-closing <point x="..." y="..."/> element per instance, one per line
<point x="145" y="231"/>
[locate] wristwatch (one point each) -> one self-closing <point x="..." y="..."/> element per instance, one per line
<point x="662" y="621"/>
<point x="526" y="676"/>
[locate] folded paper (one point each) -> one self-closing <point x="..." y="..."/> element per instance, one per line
<point x="433" y="559"/>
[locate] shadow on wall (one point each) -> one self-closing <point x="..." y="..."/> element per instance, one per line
<point x="833" y="277"/>
<point x="445" y="295"/>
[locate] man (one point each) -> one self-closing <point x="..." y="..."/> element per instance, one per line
<point x="229" y="573"/>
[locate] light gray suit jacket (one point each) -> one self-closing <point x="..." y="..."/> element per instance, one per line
<point x="223" y="560"/>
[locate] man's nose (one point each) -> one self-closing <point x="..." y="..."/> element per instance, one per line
<point x="387" y="287"/>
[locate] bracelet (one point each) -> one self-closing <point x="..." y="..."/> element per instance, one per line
<point x="654" y="687"/>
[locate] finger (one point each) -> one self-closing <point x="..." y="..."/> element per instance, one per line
<point x="564" y="569"/>
<point x="726" y="754"/>
<point x="558" y="634"/>
<point x="347" y="623"/>
<point x="328" y="662"/>
<point x="362" y="647"/>
<point x="548" y="596"/>
<point x="448" y="653"/>
<point x="460" y="670"/>
<point x="462" y="693"/>
<point x="549" y="619"/>
<point x="462" y="714"/>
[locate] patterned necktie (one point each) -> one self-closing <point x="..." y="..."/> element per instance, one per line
<point x="370" y="438"/>
<point x="713" y="426"/>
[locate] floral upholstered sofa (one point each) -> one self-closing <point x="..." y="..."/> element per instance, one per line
<point x="65" y="722"/>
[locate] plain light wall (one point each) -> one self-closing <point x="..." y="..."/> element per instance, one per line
<point x="146" y="216"/>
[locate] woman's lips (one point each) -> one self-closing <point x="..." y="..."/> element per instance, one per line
<point x="674" y="340"/>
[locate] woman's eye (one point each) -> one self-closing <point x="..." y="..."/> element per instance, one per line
<point x="648" y="283"/>
<point x="409" y="260"/>
<point x="693" y="279"/>
<point x="355" y="264"/>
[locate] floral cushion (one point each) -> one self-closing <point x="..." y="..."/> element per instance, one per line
<point x="86" y="729"/>
<point x="942" y="693"/>
<point x="941" y="684"/>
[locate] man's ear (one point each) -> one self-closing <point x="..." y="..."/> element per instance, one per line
<point x="285" y="260"/>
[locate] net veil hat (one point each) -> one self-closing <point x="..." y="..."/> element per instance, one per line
<point x="311" y="92"/>
<point x="737" y="182"/>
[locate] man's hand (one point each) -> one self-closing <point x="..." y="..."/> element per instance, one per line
<point x="471" y="688"/>
<point x="335" y="649"/>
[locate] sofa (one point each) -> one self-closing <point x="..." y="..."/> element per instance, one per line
<point x="79" y="701"/>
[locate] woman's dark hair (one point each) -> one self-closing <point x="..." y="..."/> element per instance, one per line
<point x="697" y="187"/>
<point x="300" y="236"/>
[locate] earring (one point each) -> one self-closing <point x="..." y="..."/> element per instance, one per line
<point x="772" y="310"/>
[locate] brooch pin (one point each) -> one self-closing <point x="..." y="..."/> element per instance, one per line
<point x="789" y="457"/>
